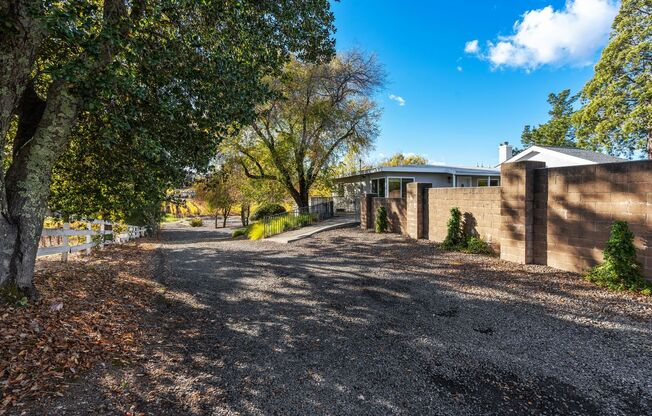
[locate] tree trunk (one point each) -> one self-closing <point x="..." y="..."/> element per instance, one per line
<point x="304" y="196"/>
<point x="244" y="214"/>
<point x="18" y="47"/>
<point x="27" y="185"/>
<point x="649" y="145"/>
<point x="226" y="213"/>
<point x="217" y="216"/>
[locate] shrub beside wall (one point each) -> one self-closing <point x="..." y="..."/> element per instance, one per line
<point x="620" y="269"/>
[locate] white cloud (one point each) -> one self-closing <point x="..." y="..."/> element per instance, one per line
<point x="459" y="69"/>
<point x="472" y="46"/>
<point x="398" y="99"/>
<point x="570" y="36"/>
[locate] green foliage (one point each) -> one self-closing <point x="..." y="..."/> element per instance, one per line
<point x="152" y="115"/>
<point x="169" y="218"/>
<point x="399" y="159"/>
<point x="11" y="295"/>
<point x="381" y="220"/>
<point x="617" y="103"/>
<point x="455" y="235"/>
<point x="239" y="232"/>
<point x="318" y="114"/>
<point x="267" y="210"/>
<point x="476" y="245"/>
<point x="620" y="269"/>
<point x="559" y="130"/>
<point x="196" y="222"/>
<point x="219" y="190"/>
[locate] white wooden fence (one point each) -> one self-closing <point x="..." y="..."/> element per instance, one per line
<point x="132" y="232"/>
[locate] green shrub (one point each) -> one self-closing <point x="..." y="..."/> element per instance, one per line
<point x="266" y="210"/>
<point x="239" y="232"/>
<point x="620" y="269"/>
<point x="196" y="222"/>
<point x="455" y="235"/>
<point x="381" y="220"/>
<point x="476" y="245"/>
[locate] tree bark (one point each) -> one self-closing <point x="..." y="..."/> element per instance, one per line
<point x="19" y="41"/>
<point x="649" y="145"/>
<point x="28" y="184"/>
<point x="42" y="135"/>
<point x="226" y="213"/>
<point x="18" y="44"/>
<point x="244" y="214"/>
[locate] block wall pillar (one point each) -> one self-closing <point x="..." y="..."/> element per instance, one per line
<point x="366" y="214"/>
<point x="517" y="211"/>
<point x="415" y="209"/>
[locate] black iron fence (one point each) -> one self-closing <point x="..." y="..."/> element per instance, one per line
<point x="300" y="217"/>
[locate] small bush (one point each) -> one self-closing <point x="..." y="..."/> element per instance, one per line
<point x="620" y="269"/>
<point x="239" y="232"/>
<point x="196" y="222"/>
<point x="476" y="245"/>
<point x="267" y="210"/>
<point x="455" y="235"/>
<point x="256" y="231"/>
<point x="381" y="220"/>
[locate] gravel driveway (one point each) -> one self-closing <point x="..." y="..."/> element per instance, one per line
<point x="350" y="322"/>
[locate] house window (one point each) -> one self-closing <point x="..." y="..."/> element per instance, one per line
<point x="488" y="181"/>
<point x="398" y="187"/>
<point x="378" y="187"/>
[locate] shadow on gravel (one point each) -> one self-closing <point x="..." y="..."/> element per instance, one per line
<point x="355" y="323"/>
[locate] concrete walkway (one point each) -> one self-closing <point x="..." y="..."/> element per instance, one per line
<point x="305" y="232"/>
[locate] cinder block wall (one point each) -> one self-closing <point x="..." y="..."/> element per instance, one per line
<point x="575" y="207"/>
<point x="480" y="208"/>
<point x="555" y="216"/>
<point x="396" y="213"/>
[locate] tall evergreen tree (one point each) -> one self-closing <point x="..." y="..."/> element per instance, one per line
<point x="617" y="103"/>
<point x="558" y="131"/>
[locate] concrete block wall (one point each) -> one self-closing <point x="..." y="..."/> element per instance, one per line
<point x="480" y="208"/>
<point x="396" y="213"/>
<point x="517" y="211"/>
<point x="366" y="214"/>
<point x="559" y="217"/>
<point x="417" y="209"/>
<point x="575" y="207"/>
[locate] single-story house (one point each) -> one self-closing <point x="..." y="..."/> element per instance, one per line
<point x="555" y="156"/>
<point x="391" y="181"/>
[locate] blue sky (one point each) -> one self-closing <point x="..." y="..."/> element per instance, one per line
<point x="460" y="105"/>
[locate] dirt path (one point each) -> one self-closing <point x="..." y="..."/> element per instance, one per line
<point x="349" y="322"/>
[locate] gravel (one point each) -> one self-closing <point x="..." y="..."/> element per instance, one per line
<point x="351" y="322"/>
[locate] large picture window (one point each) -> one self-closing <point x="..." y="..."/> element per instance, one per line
<point x="378" y="187"/>
<point x="398" y="187"/>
